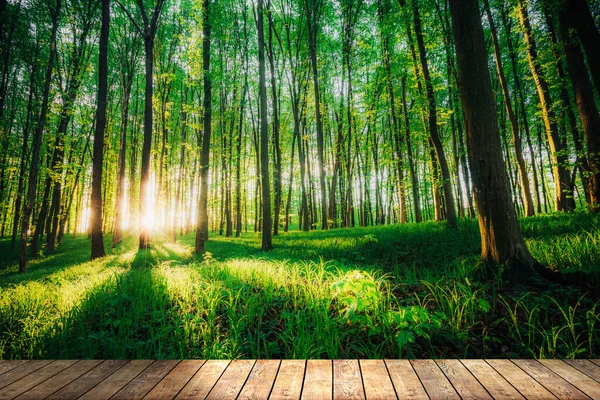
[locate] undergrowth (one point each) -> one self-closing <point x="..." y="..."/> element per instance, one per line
<point x="389" y="291"/>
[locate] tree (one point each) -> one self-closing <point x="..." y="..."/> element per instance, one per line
<point x="562" y="180"/>
<point x="267" y="241"/>
<point x="525" y="187"/>
<point x="501" y="238"/>
<point x="202" y="223"/>
<point x="313" y="9"/>
<point x="450" y="210"/>
<point x="37" y="139"/>
<point x="584" y="96"/>
<point x="96" y="209"/>
<point x="148" y="32"/>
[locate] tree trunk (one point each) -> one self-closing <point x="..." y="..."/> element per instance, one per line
<point x="522" y="168"/>
<point x="586" y="105"/>
<point x="501" y="238"/>
<point x="312" y="10"/>
<point x="267" y="242"/>
<point x="562" y="178"/>
<point x="96" y="209"/>
<point x="37" y="143"/>
<point x="202" y="226"/>
<point x="449" y="208"/>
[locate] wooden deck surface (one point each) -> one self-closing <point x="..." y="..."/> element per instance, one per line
<point x="299" y="379"/>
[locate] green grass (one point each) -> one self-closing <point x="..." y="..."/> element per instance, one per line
<point x="391" y="291"/>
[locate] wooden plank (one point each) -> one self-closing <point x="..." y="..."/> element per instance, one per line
<point x="261" y="380"/>
<point x="288" y="384"/>
<point x="318" y="380"/>
<point x="377" y="381"/>
<point x="405" y="380"/>
<point x="26" y="369"/>
<point x="232" y="380"/>
<point x="175" y="380"/>
<point x="117" y="380"/>
<point x="524" y="383"/>
<point x="347" y="381"/>
<point x="145" y="381"/>
<point x="554" y="383"/>
<point x="576" y="378"/>
<point x="494" y="383"/>
<point x="587" y="367"/>
<point x="596" y="361"/>
<point x="88" y="380"/>
<point x="464" y="383"/>
<point x="6" y="366"/>
<point x="433" y="379"/>
<point x="204" y="380"/>
<point x="60" y="380"/>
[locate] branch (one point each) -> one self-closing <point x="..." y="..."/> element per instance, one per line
<point x="136" y="26"/>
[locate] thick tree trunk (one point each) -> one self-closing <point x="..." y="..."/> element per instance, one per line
<point x="501" y="238"/>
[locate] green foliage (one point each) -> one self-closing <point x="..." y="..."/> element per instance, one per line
<point x="369" y="292"/>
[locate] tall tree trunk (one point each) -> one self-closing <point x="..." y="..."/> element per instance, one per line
<point x="578" y="17"/>
<point x="522" y="168"/>
<point x="96" y="210"/>
<point x="267" y="242"/>
<point x="562" y="179"/>
<point x="312" y="10"/>
<point x="24" y="151"/>
<point x="37" y="142"/>
<point x="501" y="238"/>
<point x="449" y="209"/>
<point x="584" y="96"/>
<point x="202" y="226"/>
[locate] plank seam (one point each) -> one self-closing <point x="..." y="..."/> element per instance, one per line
<point x="419" y="378"/>
<point x="35" y="370"/>
<point x="13" y="368"/>
<point x="275" y="379"/>
<point x="50" y="377"/>
<point x="131" y="380"/>
<point x="189" y="379"/>
<point x="114" y="372"/>
<point x="160" y="380"/>
<point x="506" y="379"/>
<point x="474" y="377"/>
<point x="583" y="372"/>
<point x="303" y="378"/>
<point x="218" y="379"/>
<point x="391" y="380"/>
<point x="447" y="378"/>
<point x="532" y="377"/>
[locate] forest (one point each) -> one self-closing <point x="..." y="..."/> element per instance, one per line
<point x="299" y="178"/>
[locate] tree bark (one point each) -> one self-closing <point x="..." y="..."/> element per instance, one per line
<point x="522" y="168"/>
<point x="267" y="242"/>
<point x="584" y="97"/>
<point x="501" y="238"/>
<point x="37" y="142"/>
<point x="202" y="225"/>
<point x="96" y="209"/>
<point x="562" y="179"/>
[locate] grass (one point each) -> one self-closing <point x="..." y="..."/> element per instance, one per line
<point x="390" y="291"/>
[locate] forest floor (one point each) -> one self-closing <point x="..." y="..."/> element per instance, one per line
<point x="389" y="291"/>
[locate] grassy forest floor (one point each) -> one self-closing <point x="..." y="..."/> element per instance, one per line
<point x="390" y="291"/>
